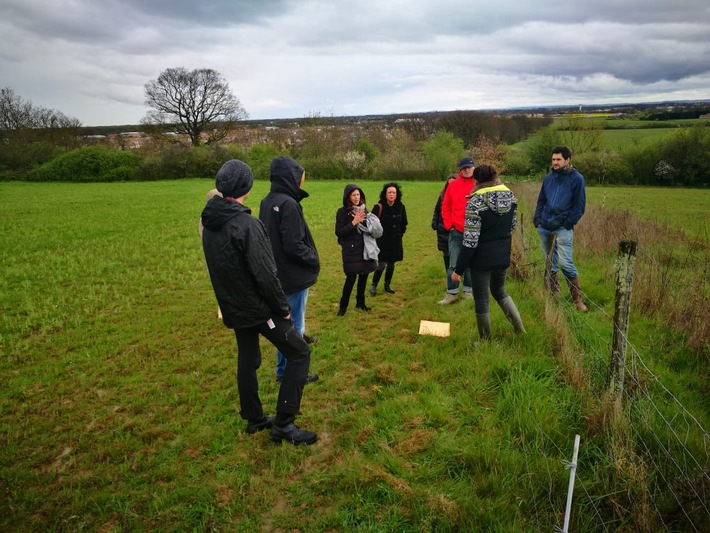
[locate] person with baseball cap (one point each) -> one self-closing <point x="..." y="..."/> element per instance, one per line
<point x="453" y="209"/>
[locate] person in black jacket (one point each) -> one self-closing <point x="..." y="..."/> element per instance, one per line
<point x="488" y="226"/>
<point x="393" y="216"/>
<point x="442" y="236"/>
<point x="297" y="263"/>
<point x="356" y="267"/>
<point x="243" y="274"/>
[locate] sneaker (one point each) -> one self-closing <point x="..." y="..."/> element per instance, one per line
<point x="389" y="289"/>
<point x="467" y="295"/>
<point x="293" y="434"/>
<point x="310" y="340"/>
<point x="253" y="426"/>
<point x="448" y="299"/>
<point x="373" y="290"/>
<point x="363" y="307"/>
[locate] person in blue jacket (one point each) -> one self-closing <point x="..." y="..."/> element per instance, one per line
<point x="560" y="205"/>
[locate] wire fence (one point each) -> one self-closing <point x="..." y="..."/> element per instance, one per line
<point x="661" y="459"/>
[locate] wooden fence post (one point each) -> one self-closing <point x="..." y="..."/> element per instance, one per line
<point x="624" y="281"/>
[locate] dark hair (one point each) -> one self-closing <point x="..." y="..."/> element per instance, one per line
<point x="383" y="192"/>
<point x="565" y="152"/>
<point x="484" y="174"/>
<point x="349" y="189"/>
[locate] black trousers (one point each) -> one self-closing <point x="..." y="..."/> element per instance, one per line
<point x="348" y="289"/>
<point x="482" y="281"/>
<point x="286" y="338"/>
<point x="389" y="272"/>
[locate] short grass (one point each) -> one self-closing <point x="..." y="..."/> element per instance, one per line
<point x="120" y="411"/>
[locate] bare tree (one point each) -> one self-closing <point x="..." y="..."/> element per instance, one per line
<point x="14" y="112"/>
<point x="18" y="114"/>
<point x="196" y="102"/>
<point x="31" y="135"/>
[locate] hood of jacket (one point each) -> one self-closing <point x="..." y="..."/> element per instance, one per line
<point x="286" y="178"/>
<point x="219" y="211"/>
<point x="349" y="188"/>
<point x="498" y="198"/>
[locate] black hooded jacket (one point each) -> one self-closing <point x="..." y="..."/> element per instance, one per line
<point x="297" y="261"/>
<point x="241" y="265"/>
<point x="350" y="239"/>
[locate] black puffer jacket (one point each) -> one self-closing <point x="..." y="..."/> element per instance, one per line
<point x="295" y="253"/>
<point x="353" y="246"/>
<point x="437" y="223"/>
<point x="241" y="265"/>
<point x="394" y="226"/>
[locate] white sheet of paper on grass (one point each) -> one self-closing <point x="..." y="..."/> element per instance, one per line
<point x="438" y="329"/>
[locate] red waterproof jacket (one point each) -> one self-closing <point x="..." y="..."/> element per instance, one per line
<point x="453" y="208"/>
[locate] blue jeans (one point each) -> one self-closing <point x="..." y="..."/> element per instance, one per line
<point x="450" y="284"/>
<point x="482" y="281"/>
<point x="455" y="244"/>
<point x="297" y="302"/>
<point x="562" y="255"/>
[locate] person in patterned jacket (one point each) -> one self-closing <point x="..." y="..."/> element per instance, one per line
<point x="489" y="222"/>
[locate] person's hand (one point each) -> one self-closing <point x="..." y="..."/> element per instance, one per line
<point x="455" y="277"/>
<point x="358" y="217"/>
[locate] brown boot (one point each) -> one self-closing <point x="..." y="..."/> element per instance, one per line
<point x="576" y="293"/>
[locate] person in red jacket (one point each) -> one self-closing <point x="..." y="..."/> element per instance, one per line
<point x="453" y="209"/>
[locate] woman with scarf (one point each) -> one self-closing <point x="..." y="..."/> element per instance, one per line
<point x="349" y="228"/>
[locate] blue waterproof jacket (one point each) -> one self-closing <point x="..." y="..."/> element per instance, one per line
<point x="561" y="201"/>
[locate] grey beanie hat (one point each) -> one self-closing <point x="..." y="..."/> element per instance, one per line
<point x="234" y="179"/>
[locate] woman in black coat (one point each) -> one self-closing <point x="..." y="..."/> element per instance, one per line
<point x="355" y="266"/>
<point x="393" y="217"/>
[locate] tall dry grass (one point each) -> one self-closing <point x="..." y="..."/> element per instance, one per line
<point x="671" y="273"/>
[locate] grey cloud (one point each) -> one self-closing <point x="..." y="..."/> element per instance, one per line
<point x="355" y="56"/>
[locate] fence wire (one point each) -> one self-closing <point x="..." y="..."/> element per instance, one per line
<point x="669" y="442"/>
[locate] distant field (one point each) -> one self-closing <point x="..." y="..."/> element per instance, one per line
<point x="662" y="205"/>
<point x="619" y="138"/>
<point x="630" y="123"/>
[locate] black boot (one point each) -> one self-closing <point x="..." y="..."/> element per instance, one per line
<point x="360" y="299"/>
<point x="344" y="302"/>
<point x="266" y="422"/>
<point x="285" y="430"/>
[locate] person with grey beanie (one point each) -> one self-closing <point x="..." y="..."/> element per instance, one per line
<point x="243" y="274"/>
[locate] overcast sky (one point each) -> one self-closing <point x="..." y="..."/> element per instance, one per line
<point x="90" y="59"/>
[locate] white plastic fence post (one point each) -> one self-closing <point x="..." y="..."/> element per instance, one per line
<point x="570" y="489"/>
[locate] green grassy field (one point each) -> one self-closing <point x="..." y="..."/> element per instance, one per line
<point x="630" y="123"/>
<point x="683" y="209"/>
<point x="120" y="410"/>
